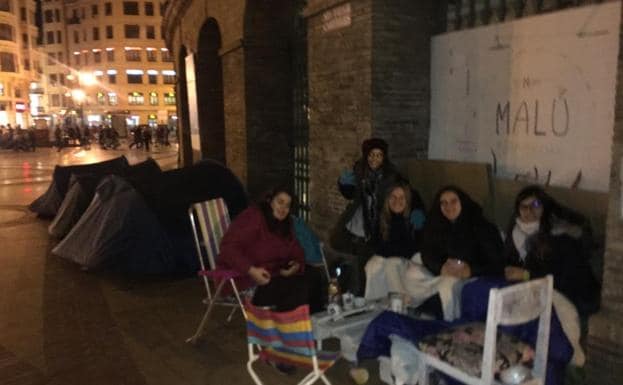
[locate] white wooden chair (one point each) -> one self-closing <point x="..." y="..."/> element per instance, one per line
<point x="512" y="305"/>
<point x="209" y="221"/>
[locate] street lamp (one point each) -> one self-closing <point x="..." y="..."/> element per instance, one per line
<point x="83" y="79"/>
<point x="78" y="96"/>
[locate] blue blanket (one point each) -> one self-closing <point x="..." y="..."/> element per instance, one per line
<point x="475" y="297"/>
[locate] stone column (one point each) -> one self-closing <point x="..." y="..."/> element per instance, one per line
<point x="605" y="337"/>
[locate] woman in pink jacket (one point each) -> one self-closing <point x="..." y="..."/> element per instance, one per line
<point x="261" y="243"/>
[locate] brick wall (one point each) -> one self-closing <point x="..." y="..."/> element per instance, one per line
<point x="368" y="78"/>
<point x="268" y="31"/>
<point x="401" y="74"/>
<point x="340" y="102"/>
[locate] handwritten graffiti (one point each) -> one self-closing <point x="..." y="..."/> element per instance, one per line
<point x="526" y="118"/>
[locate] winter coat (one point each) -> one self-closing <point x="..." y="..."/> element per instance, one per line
<point x="403" y="239"/>
<point x="476" y="241"/>
<point x="248" y="242"/>
<point x="563" y="253"/>
<point x="366" y="185"/>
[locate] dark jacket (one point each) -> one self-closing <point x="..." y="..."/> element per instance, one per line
<point x="561" y="252"/>
<point x="403" y="239"/>
<point x="367" y="184"/>
<point x="470" y="238"/>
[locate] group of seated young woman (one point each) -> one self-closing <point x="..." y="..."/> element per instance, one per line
<point x="427" y="258"/>
<point x="424" y="257"/>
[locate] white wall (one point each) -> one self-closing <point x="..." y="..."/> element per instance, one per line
<point x="537" y="92"/>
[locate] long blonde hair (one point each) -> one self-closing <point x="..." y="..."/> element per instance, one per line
<point x="386" y="213"/>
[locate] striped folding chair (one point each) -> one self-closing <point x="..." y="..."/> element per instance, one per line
<point x="209" y="221"/>
<point x="287" y="338"/>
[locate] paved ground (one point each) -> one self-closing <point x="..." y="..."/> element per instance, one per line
<point x="60" y="325"/>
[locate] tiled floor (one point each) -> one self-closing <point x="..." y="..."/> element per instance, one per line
<point x="60" y="325"/>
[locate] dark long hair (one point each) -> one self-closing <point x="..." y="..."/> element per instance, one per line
<point x="282" y="228"/>
<point x="471" y="212"/>
<point x="551" y="209"/>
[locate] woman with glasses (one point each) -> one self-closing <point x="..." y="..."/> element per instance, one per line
<point x="544" y="237"/>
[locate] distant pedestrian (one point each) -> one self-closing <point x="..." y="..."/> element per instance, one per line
<point x="147" y="138"/>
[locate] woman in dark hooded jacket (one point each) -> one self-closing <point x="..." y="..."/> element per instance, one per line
<point x="458" y="240"/>
<point x="543" y="238"/>
<point x="358" y="227"/>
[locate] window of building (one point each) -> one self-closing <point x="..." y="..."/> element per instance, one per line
<point x="110" y="55"/>
<point x="56" y="100"/>
<point x="18" y="92"/>
<point x="99" y="76"/>
<point x="169" y="98"/>
<point x="51" y="58"/>
<point x="61" y="79"/>
<point x="136" y="98"/>
<point x="96" y="33"/>
<point x="48" y="16"/>
<point x="5" y="5"/>
<point x="49" y="37"/>
<point x="1" y="89"/>
<point x="168" y="77"/>
<point x="149" y="8"/>
<point x="7" y="62"/>
<point x="59" y="57"/>
<point x="77" y="59"/>
<point x="112" y="76"/>
<point x="25" y="40"/>
<point x="84" y="35"/>
<point x="23" y="15"/>
<point x="152" y="78"/>
<point x="76" y="37"/>
<point x="94" y="10"/>
<point x="86" y="58"/>
<point x="109" y="32"/>
<point x="132" y="31"/>
<point x="133" y="55"/>
<point x="151" y="55"/>
<point x="112" y="99"/>
<point x="166" y="55"/>
<point x="6" y="32"/>
<point x="163" y="8"/>
<point x="57" y="15"/>
<point x="59" y="40"/>
<point x="101" y="98"/>
<point x="135" y="79"/>
<point x="53" y="79"/>
<point x="130" y="7"/>
<point x="153" y="98"/>
<point x="97" y="56"/>
<point x="26" y="64"/>
<point x="150" y="32"/>
<point x="108" y="9"/>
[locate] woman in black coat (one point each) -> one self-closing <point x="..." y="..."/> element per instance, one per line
<point x="458" y="240"/>
<point x="457" y="243"/>
<point x="543" y="238"/>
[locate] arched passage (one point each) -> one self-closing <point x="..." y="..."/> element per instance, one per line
<point x="186" y="155"/>
<point x="209" y="75"/>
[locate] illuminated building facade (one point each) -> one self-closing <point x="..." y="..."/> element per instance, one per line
<point x="106" y="60"/>
<point x="20" y="94"/>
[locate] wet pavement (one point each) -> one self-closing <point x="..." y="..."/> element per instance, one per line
<point x="61" y="325"/>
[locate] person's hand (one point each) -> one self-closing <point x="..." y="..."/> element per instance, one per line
<point x="293" y="268"/>
<point x="260" y="275"/>
<point x="456" y="268"/>
<point x="514" y="273"/>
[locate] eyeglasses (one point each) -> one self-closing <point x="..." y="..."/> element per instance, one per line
<point x="534" y="205"/>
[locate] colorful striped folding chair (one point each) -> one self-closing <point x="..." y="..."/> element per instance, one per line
<point x="287" y="338"/>
<point x="209" y="221"/>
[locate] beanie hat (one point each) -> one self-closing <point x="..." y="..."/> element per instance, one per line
<point x="372" y="143"/>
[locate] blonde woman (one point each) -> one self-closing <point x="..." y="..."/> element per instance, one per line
<point x="397" y="241"/>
